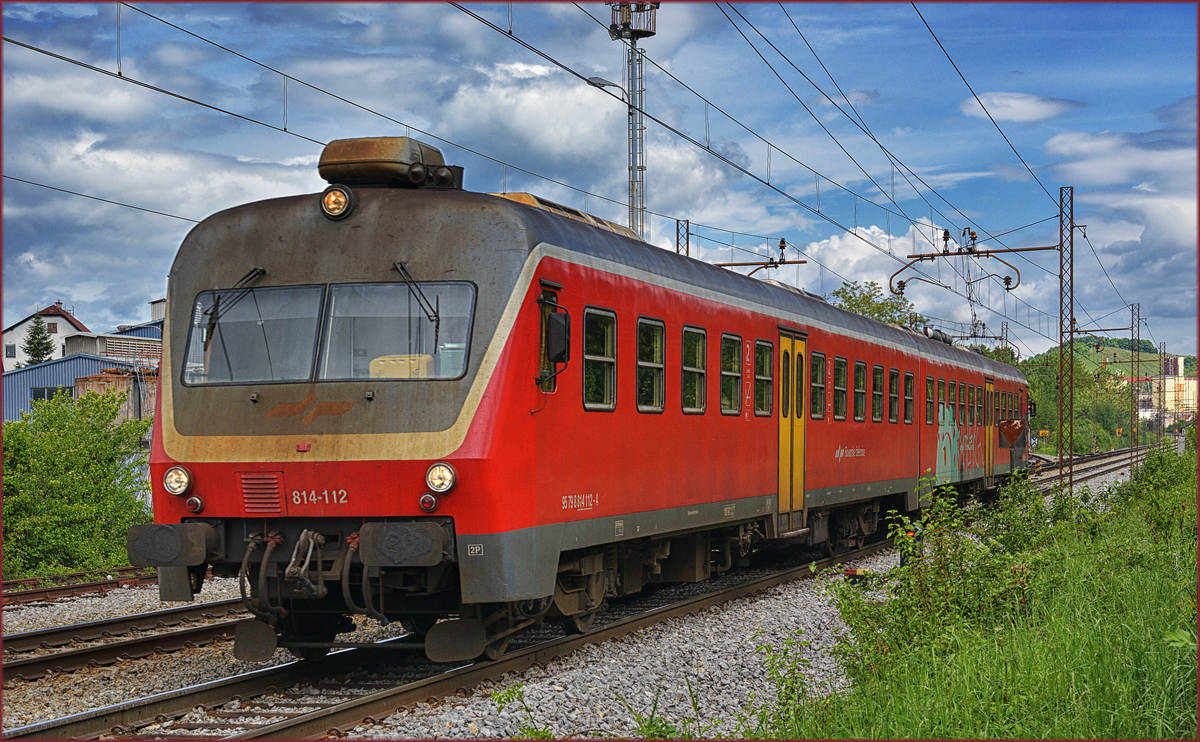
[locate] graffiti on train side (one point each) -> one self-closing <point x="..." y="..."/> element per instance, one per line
<point x="959" y="447"/>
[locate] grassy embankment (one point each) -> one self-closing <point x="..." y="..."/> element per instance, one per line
<point x="1060" y="619"/>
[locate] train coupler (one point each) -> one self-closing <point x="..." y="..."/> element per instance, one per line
<point x="306" y="544"/>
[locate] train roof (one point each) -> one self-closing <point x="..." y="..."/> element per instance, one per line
<point x="577" y="236"/>
<point x="504" y="221"/>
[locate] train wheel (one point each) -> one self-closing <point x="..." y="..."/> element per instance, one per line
<point x="498" y="621"/>
<point x="496" y="649"/>
<point x="580" y="623"/>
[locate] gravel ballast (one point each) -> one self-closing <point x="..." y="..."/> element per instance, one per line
<point x="586" y="694"/>
<point x="580" y="695"/>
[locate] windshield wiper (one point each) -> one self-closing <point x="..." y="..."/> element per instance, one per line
<point x="430" y="309"/>
<point x="216" y="312"/>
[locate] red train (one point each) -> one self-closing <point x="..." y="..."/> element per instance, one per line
<point x="404" y="399"/>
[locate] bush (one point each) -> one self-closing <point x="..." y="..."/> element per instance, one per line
<point x="952" y="578"/>
<point x="73" y="485"/>
<point x="1026" y="621"/>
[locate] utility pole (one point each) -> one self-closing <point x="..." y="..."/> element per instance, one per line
<point x="1135" y="339"/>
<point x="1162" y="390"/>
<point x="683" y="237"/>
<point x="1066" y="336"/>
<point x="1066" y="312"/>
<point x="630" y="22"/>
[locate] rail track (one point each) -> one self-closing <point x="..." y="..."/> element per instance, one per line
<point x="34" y="589"/>
<point x="31" y="654"/>
<point x="1088" y="467"/>
<point x="316" y="698"/>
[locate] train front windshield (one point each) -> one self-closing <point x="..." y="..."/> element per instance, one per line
<point x="334" y="333"/>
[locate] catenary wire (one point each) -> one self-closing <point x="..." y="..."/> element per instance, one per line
<point x="977" y="100"/>
<point x="97" y="198"/>
<point x="866" y="130"/>
<point x="832" y="102"/>
<point x="250" y="120"/>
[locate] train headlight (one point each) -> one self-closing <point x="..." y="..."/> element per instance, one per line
<point x="441" y="477"/>
<point x="194" y="504"/>
<point x="428" y="502"/>
<point x="337" y="202"/>
<point x="177" y="480"/>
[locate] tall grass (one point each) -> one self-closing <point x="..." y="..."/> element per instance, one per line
<point x="1073" y="619"/>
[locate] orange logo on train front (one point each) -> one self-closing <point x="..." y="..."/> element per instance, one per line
<point x="285" y="409"/>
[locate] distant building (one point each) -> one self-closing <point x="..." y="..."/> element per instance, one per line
<point x="59" y="322"/>
<point x="141" y="386"/>
<point x="125" y="360"/>
<point x="133" y="349"/>
<point x="22" y="386"/>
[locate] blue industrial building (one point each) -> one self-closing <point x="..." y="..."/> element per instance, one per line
<point x="24" y="385"/>
<point x="151" y="330"/>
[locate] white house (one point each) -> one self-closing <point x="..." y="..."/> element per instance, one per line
<point x="58" y="321"/>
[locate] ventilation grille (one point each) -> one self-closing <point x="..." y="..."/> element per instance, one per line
<point x="260" y="491"/>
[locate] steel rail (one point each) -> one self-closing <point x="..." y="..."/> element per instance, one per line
<point x="36" y="666"/>
<point x="108" y="628"/>
<point x="73" y="577"/>
<point x="31" y="595"/>
<point x="129" y="719"/>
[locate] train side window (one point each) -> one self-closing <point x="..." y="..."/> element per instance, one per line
<point x="909" y="383"/>
<point x="970" y="404"/>
<point x="929" y="400"/>
<point x="962" y="403"/>
<point x="731" y="374"/>
<point x="817" y="394"/>
<point x="979" y="405"/>
<point x="950" y="383"/>
<point x="995" y="408"/>
<point x="860" y="390"/>
<point x="877" y="394"/>
<point x="651" y="365"/>
<point x="599" y="360"/>
<point x="1007" y="405"/>
<point x="549" y="300"/>
<point x="941" y="400"/>
<point x="764" y="377"/>
<point x="893" y="395"/>
<point x="799" y="374"/>
<point x="694" y="342"/>
<point x="785" y="384"/>
<point x="839" y="388"/>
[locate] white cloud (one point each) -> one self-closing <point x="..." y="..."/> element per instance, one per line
<point x="1112" y="158"/>
<point x="1019" y="107"/>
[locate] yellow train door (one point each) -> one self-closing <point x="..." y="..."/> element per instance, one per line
<point x="792" y="368"/>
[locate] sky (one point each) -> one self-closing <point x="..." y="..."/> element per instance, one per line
<point x="843" y="129"/>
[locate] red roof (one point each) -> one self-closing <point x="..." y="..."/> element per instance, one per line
<point x="55" y="311"/>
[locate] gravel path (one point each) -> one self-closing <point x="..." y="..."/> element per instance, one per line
<point x="586" y="694"/>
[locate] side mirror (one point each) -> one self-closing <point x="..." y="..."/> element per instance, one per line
<point x="558" y="337"/>
<point x="1032" y="409"/>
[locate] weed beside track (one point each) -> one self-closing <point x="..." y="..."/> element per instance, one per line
<point x="1040" y="618"/>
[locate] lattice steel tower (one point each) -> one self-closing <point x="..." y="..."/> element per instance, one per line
<point x="630" y="22"/>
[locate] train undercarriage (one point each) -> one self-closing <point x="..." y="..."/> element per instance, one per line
<point x="303" y="581"/>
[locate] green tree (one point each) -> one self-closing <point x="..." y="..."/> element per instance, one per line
<point x="73" y="485"/>
<point x="869" y="301"/>
<point x="1001" y="354"/>
<point x="38" y="345"/>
